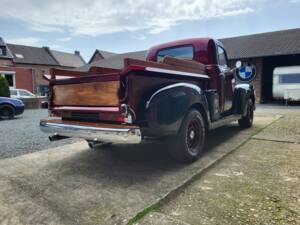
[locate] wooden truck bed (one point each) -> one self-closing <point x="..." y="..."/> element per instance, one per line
<point x="75" y="92"/>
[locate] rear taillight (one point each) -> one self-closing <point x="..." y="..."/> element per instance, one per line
<point x="128" y="113"/>
<point x="121" y="118"/>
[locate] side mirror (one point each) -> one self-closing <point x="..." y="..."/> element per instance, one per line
<point x="238" y="64"/>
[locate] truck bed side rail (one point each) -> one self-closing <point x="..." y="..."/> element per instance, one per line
<point x="169" y="63"/>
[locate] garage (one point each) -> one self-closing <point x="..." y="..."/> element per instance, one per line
<point x="266" y="51"/>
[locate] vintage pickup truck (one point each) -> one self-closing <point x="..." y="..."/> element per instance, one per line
<point x="180" y="92"/>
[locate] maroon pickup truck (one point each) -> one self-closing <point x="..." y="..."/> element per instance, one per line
<point x="183" y="90"/>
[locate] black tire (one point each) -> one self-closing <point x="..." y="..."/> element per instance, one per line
<point x="187" y="146"/>
<point x="247" y="120"/>
<point x="7" y="112"/>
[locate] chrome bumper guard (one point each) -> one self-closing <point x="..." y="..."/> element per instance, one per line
<point x="113" y="135"/>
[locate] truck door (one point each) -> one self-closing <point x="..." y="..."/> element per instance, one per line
<point x="226" y="79"/>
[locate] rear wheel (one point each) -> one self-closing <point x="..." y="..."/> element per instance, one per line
<point x="187" y="146"/>
<point x="247" y="120"/>
<point x="7" y="112"/>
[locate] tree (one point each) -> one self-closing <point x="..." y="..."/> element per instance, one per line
<point x="4" y="87"/>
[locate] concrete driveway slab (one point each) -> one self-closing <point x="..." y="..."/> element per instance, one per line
<point x="156" y="218"/>
<point x="75" y="185"/>
<point x="258" y="184"/>
<point x="287" y="129"/>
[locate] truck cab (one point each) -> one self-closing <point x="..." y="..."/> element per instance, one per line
<point x="210" y="53"/>
<point x="181" y="91"/>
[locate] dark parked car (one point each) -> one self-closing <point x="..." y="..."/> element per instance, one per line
<point x="10" y="107"/>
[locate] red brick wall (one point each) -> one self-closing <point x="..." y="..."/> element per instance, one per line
<point x="28" y="76"/>
<point x="23" y="77"/>
<point x="38" y="71"/>
<point x="6" y="62"/>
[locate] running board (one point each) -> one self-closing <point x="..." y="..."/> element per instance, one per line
<point x="223" y="121"/>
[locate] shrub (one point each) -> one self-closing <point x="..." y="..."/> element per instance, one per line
<point x="4" y="87"/>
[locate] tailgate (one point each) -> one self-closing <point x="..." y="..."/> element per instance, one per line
<point x="85" y="97"/>
<point x="101" y="93"/>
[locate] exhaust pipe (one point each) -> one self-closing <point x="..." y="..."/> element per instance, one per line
<point x="57" y="137"/>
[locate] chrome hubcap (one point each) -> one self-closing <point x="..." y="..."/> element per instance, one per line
<point x="192" y="134"/>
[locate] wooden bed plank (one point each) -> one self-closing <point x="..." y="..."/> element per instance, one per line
<point x="87" y="94"/>
<point x="73" y="73"/>
<point x="183" y="66"/>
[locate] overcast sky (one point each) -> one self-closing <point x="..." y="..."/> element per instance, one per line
<point x="130" y="25"/>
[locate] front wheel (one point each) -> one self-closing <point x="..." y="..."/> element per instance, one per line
<point x="247" y="120"/>
<point x="7" y="112"/>
<point x="187" y="146"/>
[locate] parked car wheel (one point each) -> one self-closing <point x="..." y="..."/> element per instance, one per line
<point x="187" y="146"/>
<point x="247" y="120"/>
<point x="7" y="112"/>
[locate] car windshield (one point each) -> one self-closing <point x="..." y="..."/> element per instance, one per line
<point x="25" y="93"/>
<point x="183" y="52"/>
<point x="13" y="92"/>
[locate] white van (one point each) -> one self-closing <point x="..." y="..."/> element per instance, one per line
<point x="286" y="83"/>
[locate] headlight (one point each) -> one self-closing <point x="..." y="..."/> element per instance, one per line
<point x="20" y="102"/>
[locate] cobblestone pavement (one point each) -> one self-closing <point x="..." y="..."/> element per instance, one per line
<point x="22" y="135"/>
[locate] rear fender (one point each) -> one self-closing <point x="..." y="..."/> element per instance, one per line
<point x="242" y="92"/>
<point x="167" y="107"/>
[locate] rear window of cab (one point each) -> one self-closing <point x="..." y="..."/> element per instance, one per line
<point x="181" y="52"/>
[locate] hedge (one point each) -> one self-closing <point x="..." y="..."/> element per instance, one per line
<point x="4" y="87"/>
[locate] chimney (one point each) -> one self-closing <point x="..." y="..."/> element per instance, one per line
<point x="46" y="48"/>
<point x="76" y="52"/>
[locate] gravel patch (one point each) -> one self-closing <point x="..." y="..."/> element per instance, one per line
<point x="22" y="135"/>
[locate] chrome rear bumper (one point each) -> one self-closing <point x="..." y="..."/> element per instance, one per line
<point x="117" y="134"/>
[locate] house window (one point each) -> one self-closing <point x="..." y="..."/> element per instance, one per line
<point x="18" y="55"/>
<point x="43" y="89"/>
<point x="3" y="50"/>
<point x="10" y="77"/>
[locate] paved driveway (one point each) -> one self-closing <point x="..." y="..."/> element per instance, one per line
<point x="257" y="184"/>
<point x="75" y="185"/>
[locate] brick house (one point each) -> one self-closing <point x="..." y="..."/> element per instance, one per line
<point x="24" y="66"/>
<point x="5" y="55"/>
<point x="99" y="54"/>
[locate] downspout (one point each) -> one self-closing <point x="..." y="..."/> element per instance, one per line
<point x="33" y="81"/>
